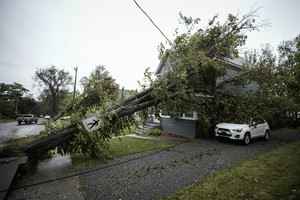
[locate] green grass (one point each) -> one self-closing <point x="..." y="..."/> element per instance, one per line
<point x="7" y="120"/>
<point x="154" y="132"/>
<point x="274" y="175"/>
<point x="129" y="145"/>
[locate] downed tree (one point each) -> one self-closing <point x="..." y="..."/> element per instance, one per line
<point x="128" y="107"/>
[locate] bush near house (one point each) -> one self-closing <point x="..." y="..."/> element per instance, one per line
<point x="154" y="132"/>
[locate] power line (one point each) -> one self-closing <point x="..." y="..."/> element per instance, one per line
<point x="145" y="13"/>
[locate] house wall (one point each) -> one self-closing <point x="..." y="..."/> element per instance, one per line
<point x="182" y="127"/>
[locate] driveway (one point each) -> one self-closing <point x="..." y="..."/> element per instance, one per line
<point x="12" y="130"/>
<point x="149" y="175"/>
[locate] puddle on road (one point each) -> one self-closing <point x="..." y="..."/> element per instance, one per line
<point x="40" y="172"/>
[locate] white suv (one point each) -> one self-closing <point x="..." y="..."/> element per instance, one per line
<point x="257" y="127"/>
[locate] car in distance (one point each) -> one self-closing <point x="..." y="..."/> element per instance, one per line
<point x="245" y="132"/>
<point x="47" y="117"/>
<point x="27" y="119"/>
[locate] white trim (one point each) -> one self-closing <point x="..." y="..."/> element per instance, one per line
<point x="195" y="116"/>
<point x="164" y="116"/>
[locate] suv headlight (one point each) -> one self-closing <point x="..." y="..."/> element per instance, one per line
<point x="237" y="130"/>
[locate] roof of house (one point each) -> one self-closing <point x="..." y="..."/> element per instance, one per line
<point x="162" y="63"/>
<point x="236" y="63"/>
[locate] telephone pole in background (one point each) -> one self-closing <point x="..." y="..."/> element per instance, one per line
<point x="74" y="90"/>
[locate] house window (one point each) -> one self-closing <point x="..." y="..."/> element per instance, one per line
<point x="189" y="115"/>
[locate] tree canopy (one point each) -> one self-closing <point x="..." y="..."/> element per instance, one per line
<point x="14" y="99"/>
<point x="99" y="87"/>
<point x="55" y="82"/>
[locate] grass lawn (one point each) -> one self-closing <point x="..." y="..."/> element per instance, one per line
<point x="274" y="175"/>
<point x="129" y="145"/>
<point x="7" y="120"/>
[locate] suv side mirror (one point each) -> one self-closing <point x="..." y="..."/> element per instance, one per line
<point x="253" y="123"/>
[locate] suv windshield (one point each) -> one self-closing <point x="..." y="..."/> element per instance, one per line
<point x="239" y="121"/>
<point x="25" y="115"/>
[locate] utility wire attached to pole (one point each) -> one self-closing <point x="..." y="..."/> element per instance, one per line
<point x="145" y="13"/>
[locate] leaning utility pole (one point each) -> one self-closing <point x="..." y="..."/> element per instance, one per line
<point x="74" y="90"/>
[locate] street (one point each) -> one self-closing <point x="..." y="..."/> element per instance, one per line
<point x="12" y="130"/>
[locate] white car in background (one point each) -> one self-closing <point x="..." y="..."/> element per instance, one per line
<point x="245" y="132"/>
<point x="47" y="117"/>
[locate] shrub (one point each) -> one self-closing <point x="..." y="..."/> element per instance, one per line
<point x="154" y="132"/>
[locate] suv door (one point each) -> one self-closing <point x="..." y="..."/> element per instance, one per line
<point x="259" y="127"/>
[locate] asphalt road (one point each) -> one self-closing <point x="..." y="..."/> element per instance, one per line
<point x="12" y="130"/>
<point x="150" y="175"/>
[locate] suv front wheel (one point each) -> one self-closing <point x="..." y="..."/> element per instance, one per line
<point x="247" y="139"/>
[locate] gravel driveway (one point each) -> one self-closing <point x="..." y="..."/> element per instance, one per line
<point x="12" y="130"/>
<point x="153" y="175"/>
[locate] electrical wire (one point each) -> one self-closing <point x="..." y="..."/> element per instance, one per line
<point x="153" y="23"/>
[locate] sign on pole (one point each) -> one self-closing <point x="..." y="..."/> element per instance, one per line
<point x="91" y="123"/>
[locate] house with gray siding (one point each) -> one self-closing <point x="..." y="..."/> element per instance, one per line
<point x="186" y="125"/>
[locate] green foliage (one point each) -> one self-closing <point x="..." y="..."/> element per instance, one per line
<point x="147" y="80"/>
<point x="14" y="98"/>
<point x="129" y="145"/>
<point x="130" y="129"/>
<point x="95" y="144"/>
<point x="100" y="92"/>
<point x="278" y="93"/>
<point x="55" y="82"/>
<point x="195" y="63"/>
<point x="154" y="132"/>
<point x="99" y="88"/>
<point x="203" y="126"/>
<point x="56" y="125"/>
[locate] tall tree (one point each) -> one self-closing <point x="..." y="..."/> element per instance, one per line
<point x="99" y="87"/>
<point x="289" y="66"/>
<point x="10" y="96"/>
<point x="55" y="81"/>
<point x="289" y="70"/>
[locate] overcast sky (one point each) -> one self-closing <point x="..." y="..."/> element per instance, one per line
<point x="68" y="33"/>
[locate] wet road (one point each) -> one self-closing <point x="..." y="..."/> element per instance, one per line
<point x="12" y="130"/>
<point x="143" y="176"/>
